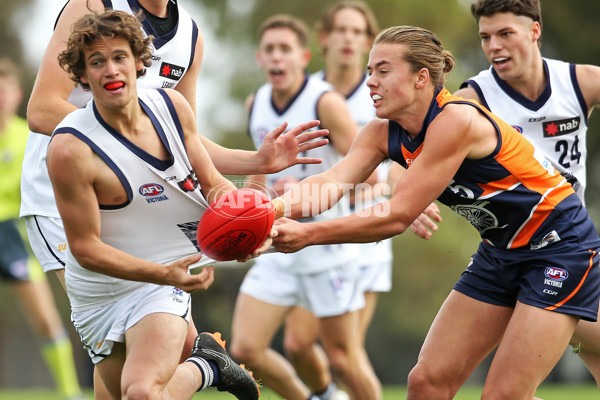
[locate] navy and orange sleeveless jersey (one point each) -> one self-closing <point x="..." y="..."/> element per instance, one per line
<point x="513" y="197"/>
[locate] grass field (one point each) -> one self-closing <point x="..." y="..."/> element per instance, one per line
<point x="546" y="392"/>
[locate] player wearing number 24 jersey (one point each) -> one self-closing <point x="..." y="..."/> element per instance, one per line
<point x="556" y="122"/>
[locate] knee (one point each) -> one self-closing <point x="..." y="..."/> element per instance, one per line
<point x="244" y="353"/>
<point x="343" y="360"/>
<point x="417" y="380"/>
<point x="423" y="384"/>
<point x="140" y="391"/>
<point x="294" y="346"/>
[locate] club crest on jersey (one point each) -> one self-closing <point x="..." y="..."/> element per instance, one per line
<point x="189" y="184"/>
<point x="518" y="128"/>
<point x="561" y="127"/>
<point x="153" y="192"/>
<point x="171" y="71"/>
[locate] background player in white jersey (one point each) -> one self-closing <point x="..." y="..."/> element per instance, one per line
<point x="131" y="179"/>
<point x="17" y="266"/>
<point x="547" y="100"/>
<point x="322" y="278"/>
<point x="177" y="57"/>
<point x="345" y="32"/>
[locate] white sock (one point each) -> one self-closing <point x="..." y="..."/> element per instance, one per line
<point x="327" y="393"/>
<point x="207" y="372"/>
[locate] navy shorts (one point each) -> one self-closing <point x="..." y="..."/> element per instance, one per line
<point x="13" y="253"/>
<point x="563" y="277"/>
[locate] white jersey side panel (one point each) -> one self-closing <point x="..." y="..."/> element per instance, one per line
<point x="556" y="123"/>
<point x="264" y="118"/>
<point x="159" y="222"/>
<point x="172" y="56"/>
<point x="359" y="100"/>
<point x="361" y="108"/>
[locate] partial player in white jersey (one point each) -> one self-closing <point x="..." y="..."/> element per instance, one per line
<point x="177" y="56"/>
<point x="346" y="32"/>
<point x="131" y="179"/>
<point x="322" y="278"/>
<point x="548" y="101"/>
<point x="177" y="47"/>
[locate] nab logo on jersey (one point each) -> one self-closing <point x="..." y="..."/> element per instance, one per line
<point x="151" y="189"/>
<point x="557" y="274"/>
<point x="171" y="71"/>
<point x="561" y="127"/>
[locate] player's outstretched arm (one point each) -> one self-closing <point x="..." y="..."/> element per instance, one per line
<point x="213" y="184"/>
<point x="48" y="103"/>
<point x="426" y="223"/>
<point x="278" y="151"/>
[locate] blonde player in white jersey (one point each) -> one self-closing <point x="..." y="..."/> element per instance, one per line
<point x="547" y="100"/>
<point x="322" y="278"/>
<point x="131" y="179"/>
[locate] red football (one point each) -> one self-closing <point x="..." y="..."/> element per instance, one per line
<point x="235" y="225"/>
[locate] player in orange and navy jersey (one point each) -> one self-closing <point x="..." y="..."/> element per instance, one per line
<point x="535" y="273"/>
<point x="548" y="101"/>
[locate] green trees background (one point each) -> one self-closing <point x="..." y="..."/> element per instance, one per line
<point x="424" y="271"/>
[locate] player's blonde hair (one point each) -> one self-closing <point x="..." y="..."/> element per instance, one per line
<point x="424" y="50"/>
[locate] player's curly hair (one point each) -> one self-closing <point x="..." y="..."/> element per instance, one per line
<point x="107" y="25"/>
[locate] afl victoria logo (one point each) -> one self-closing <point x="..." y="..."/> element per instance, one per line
<point x="557" y="274"/>
<point x="151" y="189"/>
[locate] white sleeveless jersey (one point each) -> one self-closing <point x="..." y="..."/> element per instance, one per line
<point x="359" y="100"/>
<point x="556" y="123"/>
<point x="361" y="108"/>
<point x="263" y="118"/>
<point x="172" y="56"/>
<point x="159" y="221"/>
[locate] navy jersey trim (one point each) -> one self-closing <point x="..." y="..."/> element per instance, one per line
<point x="293" y="99"/>
<point x="174" y="116"/>
<point x="194" y="41"/>
<point x="358" y="86"/>
<point x="111" y="164"/>
<point x="475" y="86"/>
<point x="580" y="99"/>
<point x="250" y="115"/>
<point x="519" y="98"/>
<point x="149" y="158"/>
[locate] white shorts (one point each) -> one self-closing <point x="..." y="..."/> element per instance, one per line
<point x="48" y="241"/>
<point x="375" y="277"/>
<point x="101" y="327"/>
<point x="333" y="292"/>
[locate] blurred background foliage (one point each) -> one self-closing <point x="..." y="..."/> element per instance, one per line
<point x="424" y="271"/>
